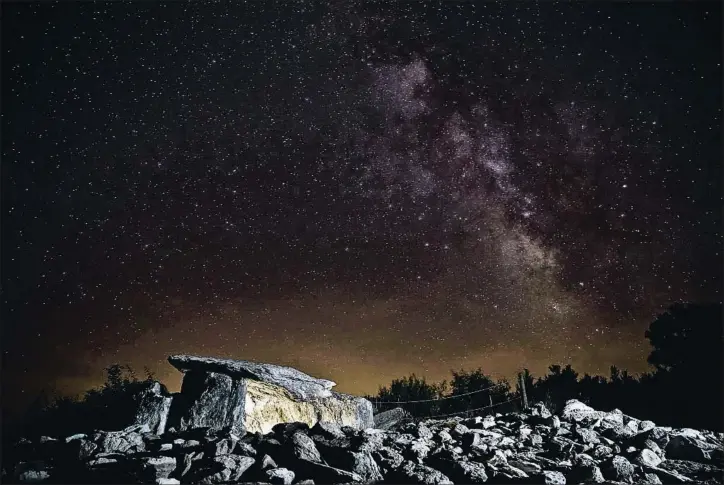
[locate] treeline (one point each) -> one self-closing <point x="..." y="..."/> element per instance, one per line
<point x="110" y="406"/>
<point x="684" y="390"/>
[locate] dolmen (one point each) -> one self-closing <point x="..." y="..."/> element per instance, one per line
<point x="246" y="397"/>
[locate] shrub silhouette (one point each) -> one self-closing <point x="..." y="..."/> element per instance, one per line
<point x="109" y="407"/>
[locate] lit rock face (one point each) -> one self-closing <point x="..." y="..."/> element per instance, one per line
<point x="247" y="396"/>
<point x="267" y="405"/>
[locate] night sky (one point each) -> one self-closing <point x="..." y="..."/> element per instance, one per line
<point x="360" y="190"/>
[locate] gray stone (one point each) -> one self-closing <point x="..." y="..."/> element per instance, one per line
<point x="327" y="429"/>
<point x="281" y="476"/>
<point x="669" y="476"/>
<point x="388" y="459"/>
<point x="300" y="385"/>
<point x="619" y="469"/>
<point x="303" y="447"/>
<point x="686" y="447"/>
<point x="167" y="481"/>
<point x="695" y="470"/>
<point x="576" y="411"/>
<point x="158" y="467"/>
<point x="647" y="457"/>
<point x="228" y="468"/>
<point x="209" y="400"/>
<point x="74" y="437"/>
<point x="411" y="472"/>
<point x="322" y="473"/>
<point x="469" y="472"/>
<point x="587" y="436"/>
<point x="651" y="479"/>
<point x="364" y="465"/>
<point x="551" y="477"/>
<point x="388" y="420"/>
<point x="153" y="408"/>
<point x="124" y="441"/>
<point x="31" y="472"/>
<point x="540" y="410"/>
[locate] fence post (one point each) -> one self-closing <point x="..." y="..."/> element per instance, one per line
<point x="522" y="389"/>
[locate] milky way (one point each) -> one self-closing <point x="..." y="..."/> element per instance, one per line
<point x="359" y="190"/>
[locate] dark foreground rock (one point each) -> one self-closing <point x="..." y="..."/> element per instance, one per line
<point x="581" y="445"/>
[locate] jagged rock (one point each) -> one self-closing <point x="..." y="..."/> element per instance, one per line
<point x="551" y="477"/>
<point x="694" y="470"/>
<point x="410" y="472"/>
<point x="647" y="457"/>
<point x="527" y="466"/>
<point x="578" y="412"/>
<point x="651" y="479"/>
<point x="223" y="446"/>
<point x="587" y="436"/>
<point x="388" y="459"/>
<point x="31" y="472"/>
<point x="226" y="468"/>
<point x="303" y="447"/>
<point x="363" y="464"/>
<point x="188" y="461"/>
<point x="124" y="441"/>
<point x="209" y="400"/>
<point x="511" y="472"/>
<point x="158" y="467"/>
<point x="74" y="437"/>
<point x="388" y="420"/>
<point x="300" y="385"/>
<point x="469" y="472"/>
<point x="686" y="447"/>
<point x="281" y="476"/>
<point x="540" y="410"/>
<point x="669" y="476"/>
<point x="153" y="408"/>
<point x="327" y="429"/>
<point x="370" y="440"/>
<point x="322" y="473"/>
<point x="619" y="469"/>
<point x="167" y="481"/>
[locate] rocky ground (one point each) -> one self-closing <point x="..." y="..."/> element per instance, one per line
<point x="580" y="445"/>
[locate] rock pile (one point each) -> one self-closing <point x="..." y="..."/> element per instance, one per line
<point x="581" y="445"/>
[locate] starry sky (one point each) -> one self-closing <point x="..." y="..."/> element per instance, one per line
<point x="359" y="189"/>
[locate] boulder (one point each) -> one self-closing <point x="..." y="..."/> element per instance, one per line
<point x="300" y="385"/>
<point x="388" y="420"/>
<point x="153" y="408"/>
<point x="576" y="411"/>
<point x="218" y="401"/>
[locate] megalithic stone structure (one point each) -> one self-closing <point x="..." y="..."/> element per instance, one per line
<point x="246" y="396"/>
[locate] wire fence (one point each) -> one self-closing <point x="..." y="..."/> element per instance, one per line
<point x="442" y="398"/>
<point x="378" y="403"/>
<point x="475" y="409"/>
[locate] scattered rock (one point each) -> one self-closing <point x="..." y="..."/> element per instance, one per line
<point x="281" y="476"/>
<point x="581" y="445"/>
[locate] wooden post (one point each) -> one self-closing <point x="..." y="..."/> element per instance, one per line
<point x="522" y="389"/>
<point x="490" y="396"/>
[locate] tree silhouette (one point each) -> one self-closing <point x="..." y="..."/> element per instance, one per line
<point x="108" y="407"/>
<point x="687" y="354"/>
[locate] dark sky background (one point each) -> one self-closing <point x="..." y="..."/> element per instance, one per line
<point x="360" y="190"/>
